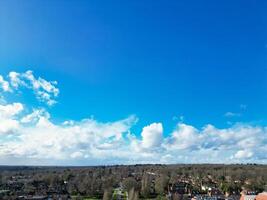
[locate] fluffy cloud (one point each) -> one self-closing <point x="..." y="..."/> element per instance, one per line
<point x="152" y="135"/>
<point x="45" y="91"/>
<point x="30" y="136"/>
<point x="238" y="143"/>
<point x="184" y="137"/>
<point x="241" y="154"/>
<point x="149" y="146"/>
<point x="34" y="136"/>
<point x="10" y="110"/>
<point x="8" y="114"/>
<point x="4" y="85"/>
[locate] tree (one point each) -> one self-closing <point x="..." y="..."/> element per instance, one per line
<point x="161" y="183"/>
<point x="177" y="197"/>
<point x="129" y="183"/>
<point x="160" y="197"/>
<point x="133" y="194"/>
<point x="107" y="194"/>
<point x="145" y="185"/>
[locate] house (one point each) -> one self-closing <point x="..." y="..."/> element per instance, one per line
<point x="247" y="197"/>
<point x="213" y="191"/>
<point x="262" y="196"/>
<point x="4" y="193"/>
<point x="36" y="197"/>
<point x="180" y="188"/>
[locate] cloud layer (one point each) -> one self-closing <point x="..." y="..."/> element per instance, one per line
<point x="31" y="137"/>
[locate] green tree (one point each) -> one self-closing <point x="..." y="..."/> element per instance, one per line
<point x="129" y="183"/>
<point x="145" y="186"/>
<point x="107" y="194"/>
<point x="161" y="183"/>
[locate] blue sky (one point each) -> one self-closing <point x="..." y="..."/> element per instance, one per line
<point x="169" y="63"/>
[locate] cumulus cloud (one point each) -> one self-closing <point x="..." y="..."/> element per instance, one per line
<point x="76" y="155"/>
<point x="10" y="110"/>
<point x="32" y="135"/>
<point x="239" y="143"/>
<point x="152" y="135"/>
<point x="241" y="154"/>
<point x="8" y="114"/>
<point x="35" y="116"/>
<point x="184" y="137"/>
<point x="45" y="91"/>
<point x="35" y="136"/>
<point x="4" y="85"/>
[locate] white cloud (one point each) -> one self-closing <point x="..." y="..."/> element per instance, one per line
<point x="8" y="114"/>
<point x="31" y="135"/>
<point x="232" y="114"/>
<point x="76" y="155"/>
<point x="35" y="116"/>
<point x="8" y="126"/>
<point x="241" y="154"/>
<point x="45" y="91"/>
<point x="10" y="109"/>
<point x="149" y="146"/>
<point x="184" y="137"/>
<point x="152" y="135"/>
<point x="15" y="79"/>
<point x="4" y="85"/>
<point x="35" y="137"/>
